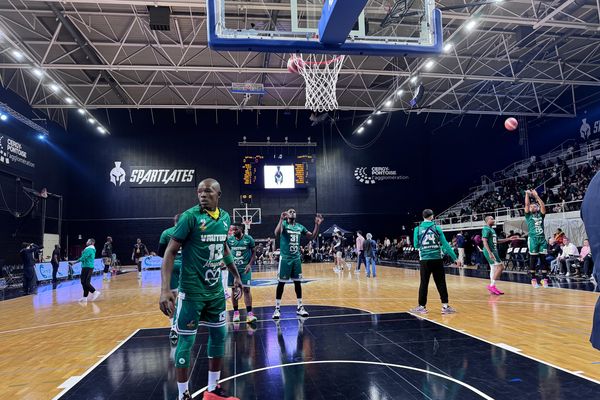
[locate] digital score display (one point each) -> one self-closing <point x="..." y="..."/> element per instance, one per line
<point x="255" y="169"/>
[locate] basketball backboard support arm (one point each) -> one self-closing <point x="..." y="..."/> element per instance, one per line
<point x="231" y="38"/>
<point x="337" y="20"/>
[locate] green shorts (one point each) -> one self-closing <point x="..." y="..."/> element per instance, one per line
<point x="189" y="314"/>
<point x="489" y="259"/>
<point x="537" y="245"/>
<point x="290" y="268"/>
<point x="246" y="278"/>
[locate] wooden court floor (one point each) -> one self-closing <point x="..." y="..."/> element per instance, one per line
<point x="48" y="338"/>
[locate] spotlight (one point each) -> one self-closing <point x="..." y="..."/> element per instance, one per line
<point x="3" y="117"/>
<point x="17" y="54"/>
<point x="54" y="87"/>
<point x="91" y="121"/>
<point x="38" y="72"/>
<point x="101" y="129"/>
<point x="388" y="103"/>
<point x="448" y="47"/>
<point x="379" y="112"/>
<point x="81" y="111"/>
<point x="369" y="121"/>
<point x="471" y="25"/>
<point x="399" y="92"/>
<point x="429" y="64"/>
<point x="413" y="79"/>
<point x="69" y="100"/>
<point x="361" y="129"/>
<point x="41" y="136"/>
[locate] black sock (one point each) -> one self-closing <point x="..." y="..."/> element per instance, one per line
<point x="248" y="308"/>
<point x="235" y="308"/>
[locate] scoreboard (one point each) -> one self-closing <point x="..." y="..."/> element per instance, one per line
<point x="278" y="172"/>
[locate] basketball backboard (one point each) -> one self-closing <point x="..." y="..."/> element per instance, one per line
<point x="362" y="27"/>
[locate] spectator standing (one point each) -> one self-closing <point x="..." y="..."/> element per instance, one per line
<point x="139" y="250"/>
<point x="460" y="245"/>
<point x="27" y="254"/>
<point x="107" y="256"/>
<point x="370" y="253"/>
<point x="360" y="256"/>
<point x="55" y="260"/>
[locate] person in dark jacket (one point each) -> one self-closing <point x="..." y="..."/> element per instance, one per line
<point x="27" y="254"/>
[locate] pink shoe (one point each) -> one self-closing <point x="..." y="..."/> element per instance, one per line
<point x="498" y="291"/>
<point x="492" y="289"/>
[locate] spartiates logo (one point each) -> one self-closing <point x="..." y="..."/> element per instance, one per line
<point x="3" y="154"/>
<point x="373" y="175"/>
<point x="117" y="174"/>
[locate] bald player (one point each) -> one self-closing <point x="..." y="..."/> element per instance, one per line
<point x="201" y="234"/>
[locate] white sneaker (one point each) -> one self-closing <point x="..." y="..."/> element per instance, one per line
<point x="276" y="314"/>
<point x="83" y="300"/>
<point x="357" y="271"/>
<point x="95" y="295"/>
<point x="302" y="312"/>
<point x="568" y="274"/>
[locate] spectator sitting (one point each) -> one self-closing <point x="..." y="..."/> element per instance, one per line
<point x="585" y="257"/>
<point x="554" y="250"/>
<point x="559" y="235"/>
<point x="568" y="256"/>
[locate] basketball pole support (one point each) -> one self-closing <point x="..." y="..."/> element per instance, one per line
<point x="338" y="19"/>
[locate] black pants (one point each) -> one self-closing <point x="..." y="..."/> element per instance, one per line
<point x="361" y="260"/>
<point x="86" y="279"/>
<point x="435" y="268"/>
<point x="588" y="265"/>
<point x="28" y="279"/>
<point x="54" y="271"/>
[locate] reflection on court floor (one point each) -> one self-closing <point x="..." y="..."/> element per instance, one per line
<point x="337" y="353"/>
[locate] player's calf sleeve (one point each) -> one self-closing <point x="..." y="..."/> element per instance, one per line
<point x="279" y="290"/>
<point x="183" y="351"/>
<point x="492" y="271"/>
<point x="216" y="342"/>
<point x="298" y="288"/>
<point x="532" y="265"/>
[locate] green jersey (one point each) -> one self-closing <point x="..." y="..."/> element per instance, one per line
<point x="429" y="239"/>
<point x="165" y="237"/>
<point x="289" y="240"/>
<point x="490" y="234"/>
<point x="87" y="257"/>
<point x="241" y="250"/>
<point x="535" y="224"/>
<point x="202" y="238"/>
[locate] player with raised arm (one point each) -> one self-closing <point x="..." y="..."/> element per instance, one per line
<point x="290" y="262"/>
<point x="243" y="249"/>
<point x="536" y="242"/>
<point x="201" y="233"/>
<point x="165" y="238"/>
<point x="490" y="251"/>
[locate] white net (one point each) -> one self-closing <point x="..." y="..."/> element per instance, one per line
<point x="320" y="73"/>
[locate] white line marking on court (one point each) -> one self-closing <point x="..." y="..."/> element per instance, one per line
<point x="449" y="378"/>
<point x="69" y="383"/>
<point x="521" y="353"/>
<point x="506" y="346"/>
<point x="90" y="369"/>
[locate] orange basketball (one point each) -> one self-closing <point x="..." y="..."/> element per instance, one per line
<point x="511" y="124"/>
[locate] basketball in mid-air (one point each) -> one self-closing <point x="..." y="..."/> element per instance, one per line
<point x="511" y="124"/>
<point x="295" y="63"/>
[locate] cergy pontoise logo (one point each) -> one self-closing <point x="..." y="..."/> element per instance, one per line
<point x="372" y="175"/>
<point x="14" y="153"/>
<point x="151" y="177"/>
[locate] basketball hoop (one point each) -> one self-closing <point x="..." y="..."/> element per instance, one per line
<point x="320" y="73"/>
